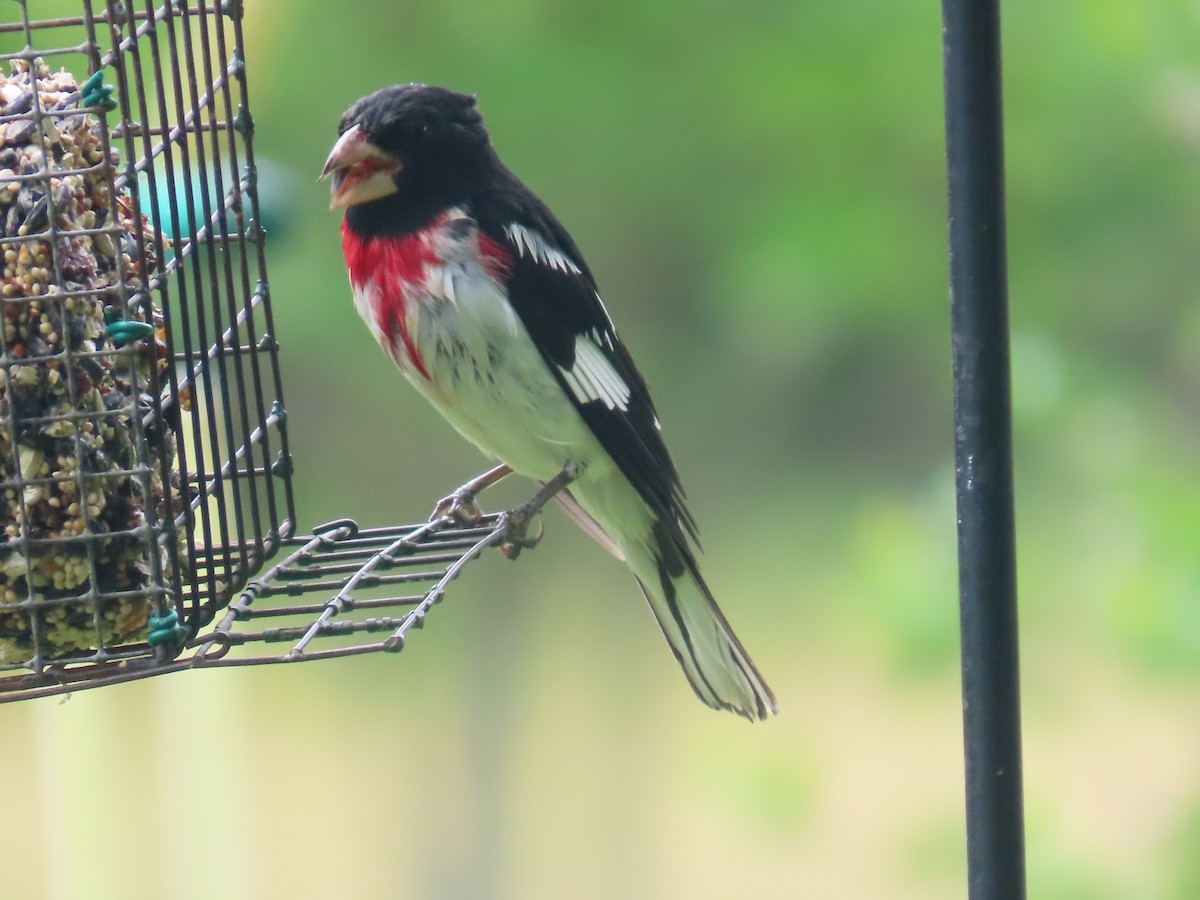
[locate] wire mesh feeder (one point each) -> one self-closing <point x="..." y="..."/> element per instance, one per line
<point x="145" y="475"/>
<point x="143" y="448"/>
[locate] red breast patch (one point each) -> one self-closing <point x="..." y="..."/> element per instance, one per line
<point x="397" y="266"/>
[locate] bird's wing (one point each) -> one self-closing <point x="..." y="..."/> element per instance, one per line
<point x="554" y="295"/>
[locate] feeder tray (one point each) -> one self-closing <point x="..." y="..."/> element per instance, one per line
<point x="341" y="591"/>
<point x="145" y="474"/>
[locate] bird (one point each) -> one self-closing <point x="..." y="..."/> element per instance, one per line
<point x="479" y="295"/>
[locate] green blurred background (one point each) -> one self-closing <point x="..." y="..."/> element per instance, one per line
<point x="759" y="187"/>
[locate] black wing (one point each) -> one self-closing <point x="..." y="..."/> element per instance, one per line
<point x="555" y="296"/>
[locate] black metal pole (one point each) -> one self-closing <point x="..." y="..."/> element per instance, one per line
<point x="983" y="450"/>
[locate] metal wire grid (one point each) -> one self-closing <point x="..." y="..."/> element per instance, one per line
<point x="383" y="582"/>
<point x="237" y="425"/>
<point x="184" y="129"/>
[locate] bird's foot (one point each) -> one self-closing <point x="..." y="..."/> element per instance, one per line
<point x="515" y="523"/>
<point x="461" y="506"/>
<point x="518" y="535"/>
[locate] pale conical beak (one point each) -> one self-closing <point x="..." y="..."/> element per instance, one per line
<point x="361" y="172"/>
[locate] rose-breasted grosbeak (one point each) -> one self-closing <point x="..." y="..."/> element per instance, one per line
<point x="479" y="295"/>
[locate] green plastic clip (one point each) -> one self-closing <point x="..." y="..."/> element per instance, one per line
<point x="94" y="92"/>
<point x="165" y="630"/>
<point x="124" y="332"/>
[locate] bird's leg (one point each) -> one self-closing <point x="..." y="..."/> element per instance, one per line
<point x="516" y="521"/>
<point x="461" y="505"/>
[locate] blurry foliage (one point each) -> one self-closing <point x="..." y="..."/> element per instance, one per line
<point x="766" y="220"/>
<point x="759" y="187"/>
<point x="1184" y="868"/>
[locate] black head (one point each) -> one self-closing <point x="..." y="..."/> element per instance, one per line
<point x="412" y="148"/>
<point x="416" y="122"/>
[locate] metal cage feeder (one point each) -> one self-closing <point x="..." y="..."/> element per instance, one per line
<point x="145" y="474"/>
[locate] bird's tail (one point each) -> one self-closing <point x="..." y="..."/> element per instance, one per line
<point x="710" y="654"/>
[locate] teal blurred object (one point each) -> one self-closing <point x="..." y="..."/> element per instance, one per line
<point x="276" y="190"/>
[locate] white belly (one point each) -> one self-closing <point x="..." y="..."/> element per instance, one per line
<point x="486" y="377"/>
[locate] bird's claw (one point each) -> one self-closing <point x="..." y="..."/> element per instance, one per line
<point x="460" y="506"/>
<point x="516" y="530"/>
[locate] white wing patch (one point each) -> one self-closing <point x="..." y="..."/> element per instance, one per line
<point x="529" y="242"/>
<point x="593" y="377"/>
<point x="607" y="338"/>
